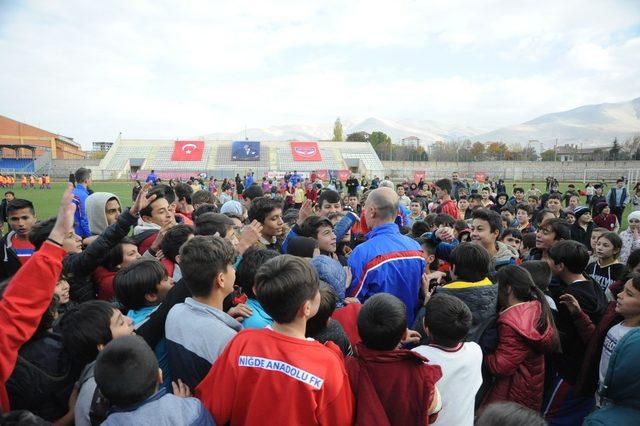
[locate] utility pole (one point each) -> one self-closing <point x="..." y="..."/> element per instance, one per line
<point x="555" y="151"/>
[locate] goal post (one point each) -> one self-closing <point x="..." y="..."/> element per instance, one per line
<point x="610" y="175"/>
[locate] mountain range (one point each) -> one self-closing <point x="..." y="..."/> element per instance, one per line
<point x="588" y="126"/>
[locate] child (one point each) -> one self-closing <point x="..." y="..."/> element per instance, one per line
<point x="140" y="287"/>
<point x="198" y="330"/>
<point x="485" y="230"/>
<point x="523" y="216"/>
<point x="447" y="323"/>
<point x="508" y="220"/>
<point x="568" y="215"/>
<point x="635" y="201"/>
<point x="280" y="360"/>
<point x="123" y="254"/>
<point x="173" y="239"/>
<point x="582" y="228"/>
<point x="607" y="269"/>
<point x="245" y="278"/>
<point x="18" y="249"/>
<point x="605" y="219"/>
<point x="549" y="233"/>
<point x="156" y="215"/>
<point x="554" y="205"/>
<point x="470" y="265"/>
<point x="86" y="329"/>
<point x="464" y="207"/>
<point x="268" y="211"/>
<point x="631" y="236"/>
<point x="321" y="229"/>
<point x="322" y="327"/>
<point x="128" y="376"/>
<point x="417" y="212"/>
<point x="525" y="333"/>
<point x="528" y="243"/>
<point x="378" y="369"/>
<point x="513" y="238"/>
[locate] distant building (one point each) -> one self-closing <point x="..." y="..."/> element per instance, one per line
<point x="412" y="141"/>
<point x="102" y="146"/>
<point x="573" y="153"/>
<point x="15" y="135"/>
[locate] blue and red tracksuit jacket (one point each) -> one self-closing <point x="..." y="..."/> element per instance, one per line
<point x="388" y="262"/>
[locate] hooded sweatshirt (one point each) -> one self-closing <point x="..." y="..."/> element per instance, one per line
<point x="518" y="361"/>
<point x="621" y="390"/>
<point x="95" y="206"/>
<point x="506" y="255"/>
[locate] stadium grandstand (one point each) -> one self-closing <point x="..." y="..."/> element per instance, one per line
<point x="24" y="148"/>
<point x="185" y="158"/>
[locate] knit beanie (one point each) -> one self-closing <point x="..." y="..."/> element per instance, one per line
<point x="579" y="211"/>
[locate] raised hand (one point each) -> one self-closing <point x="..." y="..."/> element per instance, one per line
<point x="180" y="389"/>
<point x="64" y="221"/>
<point x="571" y="303"/>
<point x="142" y="200"/>
<point x="305" y="211"/>
<point x="250" y="235"/>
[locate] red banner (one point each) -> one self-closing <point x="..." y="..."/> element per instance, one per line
<point x="305" y="151"/>
<point x="480" y="176"/>
<point x="187" y="151"/>
<point x="343" y="175"/>
<point x="419" y="175"/>
<point x="322" y="174"/>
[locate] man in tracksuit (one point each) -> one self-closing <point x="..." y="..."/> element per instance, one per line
<point x="387" y="262"/>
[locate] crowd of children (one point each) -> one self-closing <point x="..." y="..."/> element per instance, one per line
<point x="393" y="304"/>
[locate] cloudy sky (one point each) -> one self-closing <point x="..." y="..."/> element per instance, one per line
<point x="182" y="68"/>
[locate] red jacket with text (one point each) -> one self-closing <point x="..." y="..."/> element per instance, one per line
<point x="26" y="298"/>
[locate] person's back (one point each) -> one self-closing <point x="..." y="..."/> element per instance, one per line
<point x="447" y="322"/>
<point x="277" y="375"/>
<point x="377" y="371"/>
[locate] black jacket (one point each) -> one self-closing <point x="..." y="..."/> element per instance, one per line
<point x="79" y="267"/>
<point x="43" y="378"/>
<point x="9" y="263"/>
<point x="3" y="211"/>
<point x="579" y="234"/>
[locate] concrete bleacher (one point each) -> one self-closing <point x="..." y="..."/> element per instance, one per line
<point x="275" y="156"/>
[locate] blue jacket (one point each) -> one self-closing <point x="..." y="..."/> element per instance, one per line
<point x="162" y="409"/>
<point x="388" y="262"/>
<point x="80" y="220"/>
<point x="151" y="177"/>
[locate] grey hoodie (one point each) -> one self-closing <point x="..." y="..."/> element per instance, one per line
<point x="95" y="206"/>
<point x="506" y="255"/>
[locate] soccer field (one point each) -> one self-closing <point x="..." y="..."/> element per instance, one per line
<point x="47" y="201"/>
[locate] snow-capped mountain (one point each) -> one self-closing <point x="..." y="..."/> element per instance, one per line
<point x="589" y="125"/>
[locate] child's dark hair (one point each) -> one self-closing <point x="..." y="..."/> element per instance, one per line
<point x="116" y="254"/>
<point x="262" y="206"/>
<point x="444" y="219"/>
<point x="476" y="197"/>
<point x="202" y="197"/>
<point x="252" y="260"/>
<point x="460" y="225"/>
<point x="529" y="240"/>
<point x="382" y="322"/>
<point x="615" y="241"/>
<point x="284" y="284"/>
<point x="572" y="254"/>
<point x="202" y="259"/>
<point x="133" y="282"/>
<point x="419" y="227"/>
<point x="328" y="300"/>
<point x="212" y="224"/>
<point x="525" y="290"/>
<point x="174" y="239"/>
<point x="515" y="233"/>
<point x="509" y="414"/>
<point x="312" y="224"/>
<point x="40" y="232"/>
<point x="202" y="209"/>
<point x="328" y="195"/>
<point x="524" y="207"/>
<point x="19" y="204"/>
<point x="160" y="191"/>
<point x="533" y="197"/>
<point x="126" y="371"/>
<point x="491" y="217"/>
<point x="183" y="192"/>
<point x="540" y="272"/>
<point x="448" y="319"/>
<point x="559" y="227"/>
<point x="471" y="261"/>
<point x="445" y="185"/>
<point x="252" y="192"/>
<point x="430" y="248"/>
<point x="430" y="219"/>
<point x="554" y="196"/>
<point x="633" y="260"/>
<point x="85" y="326"/>
<point x="518" y="189"/>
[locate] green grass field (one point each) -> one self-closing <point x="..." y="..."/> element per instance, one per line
<point x="47" y="201"/>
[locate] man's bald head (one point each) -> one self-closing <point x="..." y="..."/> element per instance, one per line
<point x="385" y="202"/>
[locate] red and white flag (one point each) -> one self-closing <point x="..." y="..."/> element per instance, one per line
<point x="187" y="151"/>
<point x="305" y="151"/>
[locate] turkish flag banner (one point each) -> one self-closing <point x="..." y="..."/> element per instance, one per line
<point x="188" y="151"/>
<point x="305" y="151"/>
<point x="417" y="176"/>
<point x="343" y="175"/>
<point x="480" y="176"/>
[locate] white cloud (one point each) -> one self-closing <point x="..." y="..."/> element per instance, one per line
<point x="169" y="68"/>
